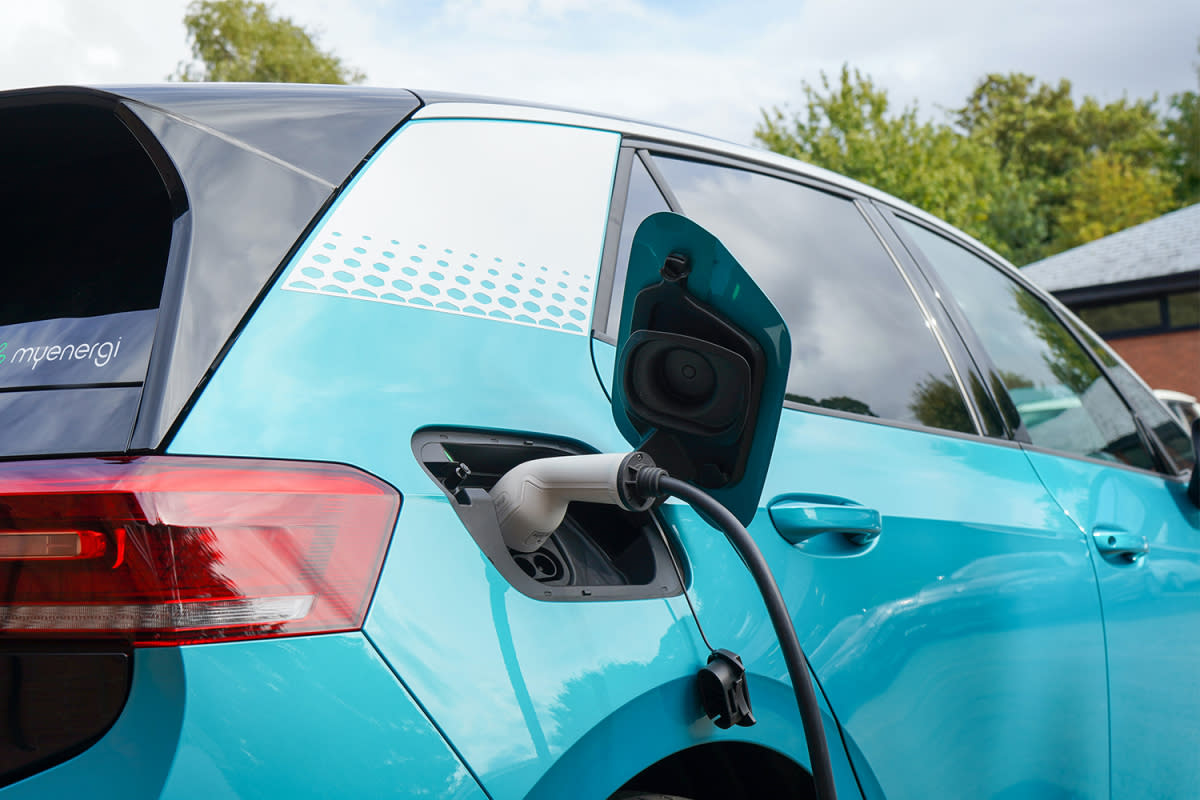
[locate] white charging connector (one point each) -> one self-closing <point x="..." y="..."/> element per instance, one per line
<point x="531" y="498"/>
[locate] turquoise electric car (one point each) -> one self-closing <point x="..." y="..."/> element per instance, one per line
<point x="273" y="359"/>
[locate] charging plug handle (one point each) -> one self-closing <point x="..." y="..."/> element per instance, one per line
<point x="531" y="498"/>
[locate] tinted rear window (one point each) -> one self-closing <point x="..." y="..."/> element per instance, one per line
<point x="86" y="223"/>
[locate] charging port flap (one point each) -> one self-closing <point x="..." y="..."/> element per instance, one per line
<point x="702" y="362"/>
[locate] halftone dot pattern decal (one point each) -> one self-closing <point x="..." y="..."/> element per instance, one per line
<point x="454" y="280"/>
<point x="494" y="219"/>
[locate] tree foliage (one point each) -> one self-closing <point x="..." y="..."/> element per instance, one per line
<point x="847" y="128"/>
<point x="1021" y="165"/>
<point x="1059" y="153"/>
<point x="1109" y="193"/>
<point x="244" y="40"/>
<point x="1183" y="135"/>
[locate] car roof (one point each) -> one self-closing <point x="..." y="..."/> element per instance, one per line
<point x="227" y="106"/>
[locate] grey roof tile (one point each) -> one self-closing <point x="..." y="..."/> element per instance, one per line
<point x="1167" y="245"/>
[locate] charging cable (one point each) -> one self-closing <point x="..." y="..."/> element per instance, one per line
<point x="531" y="501"/>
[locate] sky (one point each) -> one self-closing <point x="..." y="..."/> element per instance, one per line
<point x="705" y="66"/>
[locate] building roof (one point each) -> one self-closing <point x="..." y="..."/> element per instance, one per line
<point x="1168" y="245"/>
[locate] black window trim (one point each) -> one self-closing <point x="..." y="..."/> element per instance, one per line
<point x="1167" y="467"/>
<point x="612" y="236"/>
<point x="1014" y="427"/>
<point x="646" y="149"/>
<point x="931" y="321"/>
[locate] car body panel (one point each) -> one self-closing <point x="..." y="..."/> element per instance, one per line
<point x="964" y="603"/>
<point x="326" y="131"/>
<point x="350" y="379"/>
<point x="522" y="682"/>
<point x="1150" y="607"/>
<point x="287" y="738"/>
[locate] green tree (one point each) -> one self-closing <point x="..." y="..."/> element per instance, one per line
<point x="847" y="128"/>
<point x="1110" y="193"/>
<point x="1055" y="154"/>
<point x="1183" y="136"/>
<point x="243" y="40"/>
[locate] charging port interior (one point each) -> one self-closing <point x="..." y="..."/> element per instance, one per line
<point x="599" y="552"/>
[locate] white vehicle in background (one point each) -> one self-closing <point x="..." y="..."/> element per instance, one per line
<point x="1181" y="405"/>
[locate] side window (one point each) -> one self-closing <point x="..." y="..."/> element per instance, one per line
<point x="485" y="218"/>
<point x="860" y="342"/>
<point x="1060" y="393"/>
<point x="641" y="200"/>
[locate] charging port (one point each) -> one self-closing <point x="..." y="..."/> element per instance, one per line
<point x="599" y="552"/>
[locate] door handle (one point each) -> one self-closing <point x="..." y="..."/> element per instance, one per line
<point x="798" y="518"/>
<point x="1121" y="546"/>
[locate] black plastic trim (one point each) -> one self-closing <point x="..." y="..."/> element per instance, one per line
<point x="660" y="180"/>
<point x="612" y="236"/>
<point x="1180" y="478"/>
<point x="49" y="386"/>
<point x="980" y="363"/>
<point x="957" y="357"/>
<point x="150" y="442"/>
<point x="721" y="159"/>
<point x="972" y="436"/>
<point x="80" y="689"/>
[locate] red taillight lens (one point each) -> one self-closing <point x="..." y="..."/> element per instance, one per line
<point x="175" y="550"/>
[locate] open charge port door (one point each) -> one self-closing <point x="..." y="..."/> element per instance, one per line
<point x="599" y="552"/>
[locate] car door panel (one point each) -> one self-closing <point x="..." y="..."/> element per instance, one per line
<point x="1151" y="607"/>
<point x="959" y="640"/>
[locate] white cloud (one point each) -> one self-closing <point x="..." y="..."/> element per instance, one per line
<point x="706" y="67"/>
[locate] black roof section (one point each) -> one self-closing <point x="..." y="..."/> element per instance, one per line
<point x="325" y="131"/>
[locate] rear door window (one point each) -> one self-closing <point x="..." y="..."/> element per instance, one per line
<point x="860" y="341"/>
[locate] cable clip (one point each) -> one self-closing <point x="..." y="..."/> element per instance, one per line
<point x="723" y="690"/>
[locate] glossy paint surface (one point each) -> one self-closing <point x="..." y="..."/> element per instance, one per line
<point x="517" y="685"/>
<point x="1151" y="605"/>
<point x="970" y="628"/>
<point x="261" y="720"/>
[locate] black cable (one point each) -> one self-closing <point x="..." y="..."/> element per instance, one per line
<point x="655" y="482"/>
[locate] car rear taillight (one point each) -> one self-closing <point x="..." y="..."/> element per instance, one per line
<point x="174" y="550"/>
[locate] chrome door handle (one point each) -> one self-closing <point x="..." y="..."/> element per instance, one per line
<point x="798" y="518"/>
<point x="1121" y="546"/>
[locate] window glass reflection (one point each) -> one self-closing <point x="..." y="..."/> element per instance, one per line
<point x="860" y="343"/>
<point x="1060" y="394"/>
<point x="641" y="200"/>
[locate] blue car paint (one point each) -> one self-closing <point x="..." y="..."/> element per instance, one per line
<point x="1150" y="607"/>
<point x="971" y="624"/>
<point x="944" y="632"/>
<point x="262" y="719"/>
<point x="514" y="683"/>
